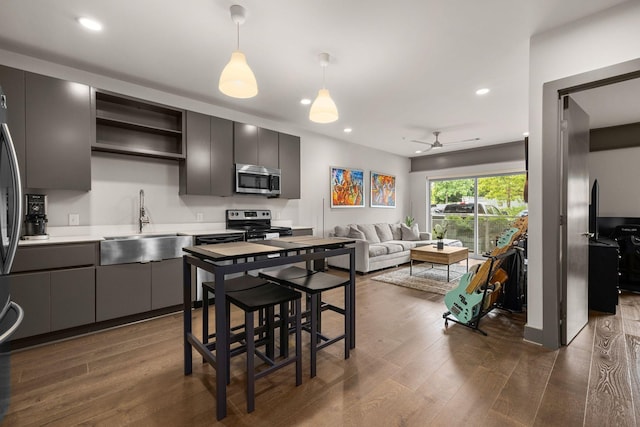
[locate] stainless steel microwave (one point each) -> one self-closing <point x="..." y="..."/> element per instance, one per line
<point x="254" y="179"/>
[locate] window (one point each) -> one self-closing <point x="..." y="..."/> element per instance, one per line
<point x="497" y="199"/>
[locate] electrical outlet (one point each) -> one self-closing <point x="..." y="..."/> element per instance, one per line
<point x="74" y="219"/>
<point x="199" y="217"/>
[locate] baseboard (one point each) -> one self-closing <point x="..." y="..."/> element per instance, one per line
<point x="533" y="335"/>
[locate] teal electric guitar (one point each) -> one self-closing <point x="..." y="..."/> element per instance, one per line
<point x="465" y="301"/>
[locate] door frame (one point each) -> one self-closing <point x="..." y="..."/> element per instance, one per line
<point x="552" y="193"/>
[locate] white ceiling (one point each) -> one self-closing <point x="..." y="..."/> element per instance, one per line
<point x="399" y="71"/>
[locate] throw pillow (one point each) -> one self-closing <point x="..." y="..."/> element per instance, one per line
<point x="410" y="233"/>
<point x="396" y="231"/>
<point x="341" y="230"/>
<point x="369" y="233"/>
<point x="384" y="232"/>
<point x="354" y="233"/>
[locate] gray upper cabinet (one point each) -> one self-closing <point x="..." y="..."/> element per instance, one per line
<point x="12" y="82"/>
<point x="222" y="169"/>
<point x="208" y="167"/>
<point x="245" y="143"/>
<point x="268" y="148"/>
<point x="289" y="161"/>
<point x="195" y="172"/>
<point x="255" y="146"/>
<point x="59" y="132"/>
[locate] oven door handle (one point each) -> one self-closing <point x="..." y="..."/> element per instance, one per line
<point x="217" y="240"/>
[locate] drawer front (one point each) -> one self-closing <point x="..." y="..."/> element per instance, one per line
<point x="48" y="257"/>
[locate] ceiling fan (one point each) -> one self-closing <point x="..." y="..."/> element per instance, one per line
<point x="437" y="144"/>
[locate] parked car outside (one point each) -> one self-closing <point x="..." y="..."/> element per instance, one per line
<point x="468" y="208"/>
<point x="459" y="218"/>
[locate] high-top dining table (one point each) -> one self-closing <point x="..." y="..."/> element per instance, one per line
<point x="228" y="258"/>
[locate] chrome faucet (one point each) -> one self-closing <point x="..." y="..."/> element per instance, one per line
<point x="144" y="219"/>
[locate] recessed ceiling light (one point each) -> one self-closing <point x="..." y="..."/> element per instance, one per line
<point x="348" y="130"/>
<point x="305" y="101"/>
<point x="90" y="24"/>
<point x="418" y="151"/>
<point x="482" y="91"/>
<point x="525" y="134"/>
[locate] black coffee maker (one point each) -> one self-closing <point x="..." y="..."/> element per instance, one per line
<point x="35" y="222"/>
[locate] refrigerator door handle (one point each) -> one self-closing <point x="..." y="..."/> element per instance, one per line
<point x="5" y="336"/>
<point x="16" y="215"/>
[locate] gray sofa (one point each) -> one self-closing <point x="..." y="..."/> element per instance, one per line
<point x="381" y="245"/>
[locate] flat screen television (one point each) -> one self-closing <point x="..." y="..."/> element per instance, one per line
<point x="594" y="210"/>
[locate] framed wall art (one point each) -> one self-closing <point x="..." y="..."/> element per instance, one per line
<point x="383" y="190"/>
<point x="347" y="188"/>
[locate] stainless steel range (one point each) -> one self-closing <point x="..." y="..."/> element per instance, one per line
<point x="255" y="223"/>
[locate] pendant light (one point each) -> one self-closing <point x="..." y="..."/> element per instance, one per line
<point x="323" y="109"/>
<point x="237" y="80"/>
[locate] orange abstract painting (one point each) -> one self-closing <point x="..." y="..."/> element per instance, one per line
<point x="347" y="188"/>
<point x="383" y="190"/>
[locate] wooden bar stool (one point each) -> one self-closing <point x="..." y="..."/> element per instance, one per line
<point x="313" y="284"/>
<point x="268" y="296"/>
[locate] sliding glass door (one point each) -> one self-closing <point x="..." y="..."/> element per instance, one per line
<point x="477" y="210"/>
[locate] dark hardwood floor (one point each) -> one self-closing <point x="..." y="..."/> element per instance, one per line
<point x="407" y="370"/>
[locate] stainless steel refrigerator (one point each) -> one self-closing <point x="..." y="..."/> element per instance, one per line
<point x="11" y="314"/>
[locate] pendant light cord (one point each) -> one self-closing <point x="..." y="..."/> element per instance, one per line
<point x="238" y="36"/>
<point x="324" y="70"/>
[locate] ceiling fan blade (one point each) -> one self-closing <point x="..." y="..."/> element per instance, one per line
<point x="421" y="142"/>
<point x="429" y="146"/>
<point x="462" y="140"/>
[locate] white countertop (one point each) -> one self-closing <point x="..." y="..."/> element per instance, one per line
<point x="79" y="234"/>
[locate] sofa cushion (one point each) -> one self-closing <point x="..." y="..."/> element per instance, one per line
<point x="394" y="248"/>
<point x="341" y="230"/>
<point x="406" y="245"/>
<point x="396" y="231"/>
<point x="384" y="232"/>
<point x="354" y="233"/>
<point x="410" y="233"/>
<point x="369" y="231"/>
<point x="377" y="250"/>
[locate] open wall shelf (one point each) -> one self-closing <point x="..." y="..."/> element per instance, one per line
<point x="131" y="126"/>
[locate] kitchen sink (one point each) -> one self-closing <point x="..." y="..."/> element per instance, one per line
<point x="142" y="248"/>
<point x="140" y="236"/>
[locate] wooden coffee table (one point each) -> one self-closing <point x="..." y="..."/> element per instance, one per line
<point x="445" y="256"/>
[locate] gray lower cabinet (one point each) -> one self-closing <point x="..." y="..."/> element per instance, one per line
<point x="32" y="292"/>
<point x="208" y="168"/>
<point x="166" y="283"/>
<point x="59" y="133"/>
<point x="54" y="300"/>
<point x="73" y="297"/>
<point x="126" y="289"/>
<point x="289" y="161"/>
<point x="122" y="290"/>
<point x="302" y="232"/>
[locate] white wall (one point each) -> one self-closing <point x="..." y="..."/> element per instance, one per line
<point x="117" y="179"/>
<point x="601" y="40"/>
<point x="617" y="174"/>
